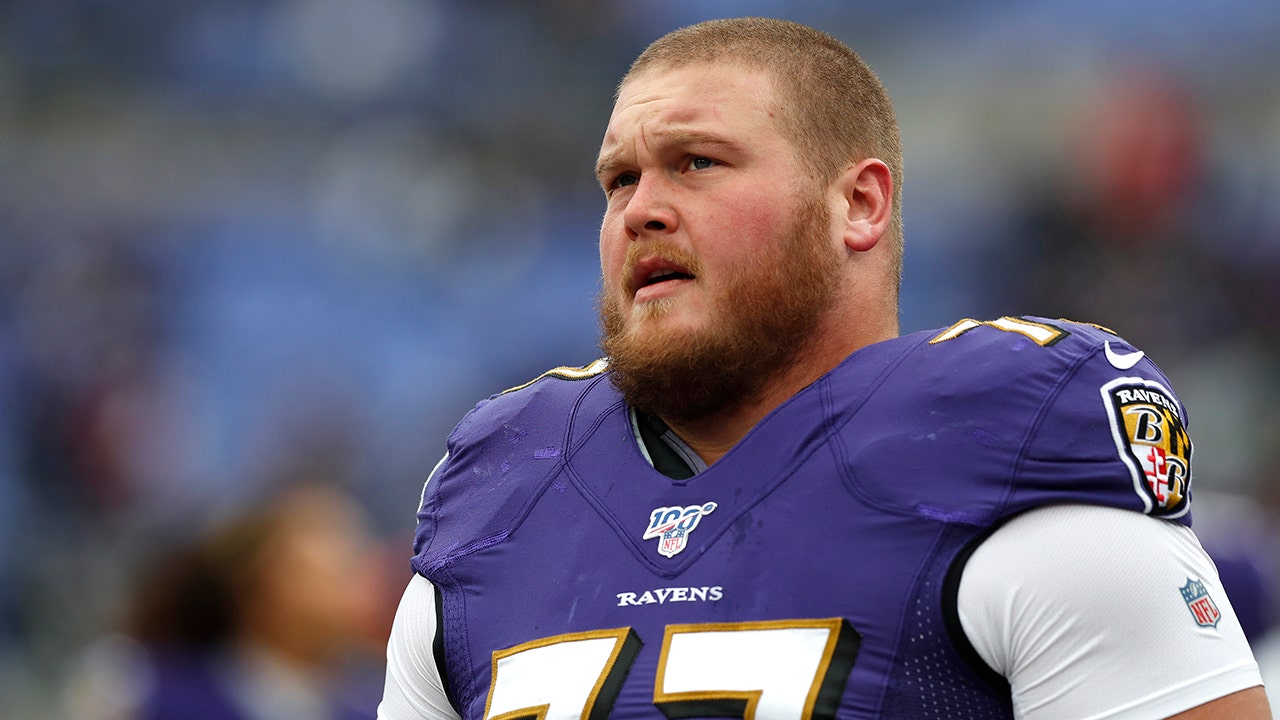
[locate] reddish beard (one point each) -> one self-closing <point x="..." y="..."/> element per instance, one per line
<point x="760" y="322"/>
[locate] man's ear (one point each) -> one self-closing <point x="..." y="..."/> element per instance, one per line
<point x="867" y="193"/>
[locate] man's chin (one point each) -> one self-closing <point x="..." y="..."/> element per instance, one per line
<point x="664" y="329"/>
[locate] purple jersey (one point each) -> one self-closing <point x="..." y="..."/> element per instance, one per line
<point x="811" y="571"/>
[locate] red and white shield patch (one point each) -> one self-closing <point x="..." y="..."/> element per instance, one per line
<point x="1151" y="437"/>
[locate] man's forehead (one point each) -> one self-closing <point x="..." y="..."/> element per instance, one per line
<point x="677" y="122"/>
<point x="690" y="99"/>
<point x="719" y="79"/>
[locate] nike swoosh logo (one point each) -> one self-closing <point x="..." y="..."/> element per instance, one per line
<point x="1122" y="361"/>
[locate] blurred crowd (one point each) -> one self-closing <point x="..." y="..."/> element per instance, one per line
<point x="256" y="258"/>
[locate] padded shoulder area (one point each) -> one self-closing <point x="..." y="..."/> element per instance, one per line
<point x="988" y="418"/>
<point x="501" y="457"/>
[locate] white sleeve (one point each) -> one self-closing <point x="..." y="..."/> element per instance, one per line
<point x="414" y="689"/>
<point x="1082" y="609"/>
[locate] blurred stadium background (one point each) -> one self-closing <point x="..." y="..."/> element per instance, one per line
<point x="247" y="243"/>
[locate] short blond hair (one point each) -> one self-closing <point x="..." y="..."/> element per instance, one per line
<point x="834" y="109"/>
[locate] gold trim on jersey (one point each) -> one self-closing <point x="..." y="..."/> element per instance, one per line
<point x="1041" y="334"/>
<point x="566" y="372"/>
<point x="841" y="645"/>
<point x="625" y="647"/>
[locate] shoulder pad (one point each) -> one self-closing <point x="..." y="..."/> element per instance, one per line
<point x="500" y="458"/>
<point x="995" y="417"/>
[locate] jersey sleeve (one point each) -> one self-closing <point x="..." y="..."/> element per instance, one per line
<point x="500" y="457"/>
<point x="1112" y="429"/>
<point x="422" y="534"/>
<point x="414" y="688"/>
<point x="991" y="419"/>
<point x="1095" y="612"/>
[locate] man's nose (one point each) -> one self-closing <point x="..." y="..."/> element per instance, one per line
<point x="650" y="209"/>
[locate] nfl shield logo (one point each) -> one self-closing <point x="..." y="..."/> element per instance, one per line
<point x="673" y="541"/>
<point x="1200" y="604"/>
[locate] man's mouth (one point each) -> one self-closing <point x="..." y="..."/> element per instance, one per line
<point x="658" y="276"/>
<point x="653" y="271"/>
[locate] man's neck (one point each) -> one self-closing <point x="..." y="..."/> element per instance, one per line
<point x="713" y="436"/>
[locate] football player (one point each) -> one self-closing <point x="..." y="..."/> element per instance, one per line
<point x="765" y="502"/>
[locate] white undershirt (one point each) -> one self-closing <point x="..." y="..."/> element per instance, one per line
<point x="1078" y="606"/>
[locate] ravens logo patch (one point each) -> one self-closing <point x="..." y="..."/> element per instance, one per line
<point x="1151" y="437"/>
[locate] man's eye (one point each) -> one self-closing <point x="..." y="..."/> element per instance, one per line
<point x="624" y="180"/>
<point x="701" y="163"/>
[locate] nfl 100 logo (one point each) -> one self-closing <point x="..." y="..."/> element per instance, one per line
<point x="1201" y="605"/>
<point x="672" y="525"/>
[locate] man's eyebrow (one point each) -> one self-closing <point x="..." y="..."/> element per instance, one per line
<point x="701" y="139"/>
<point x="677" y="138"/>
<point x="606" y="163"/>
